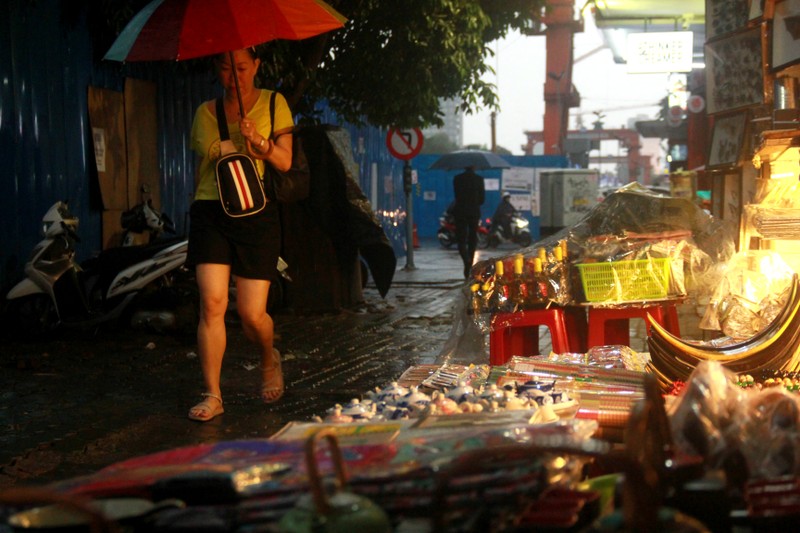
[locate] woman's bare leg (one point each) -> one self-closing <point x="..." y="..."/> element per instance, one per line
<point x="213" y="281"/>
<point x="251" y="303"/>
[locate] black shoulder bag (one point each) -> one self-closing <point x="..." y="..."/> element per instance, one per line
<point x="241" y="190"/>
<point x="294" y="184"/>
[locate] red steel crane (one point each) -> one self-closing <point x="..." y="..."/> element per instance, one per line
<point x="559" y="93"/>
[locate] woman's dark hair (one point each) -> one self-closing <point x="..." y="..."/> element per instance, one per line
<point x="250" y="50"/>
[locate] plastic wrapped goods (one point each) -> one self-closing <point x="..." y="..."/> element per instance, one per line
<point x="751" y="433"/>
<point x="643" y="246"/>
<point x="752" y="290"/>
<point x="776" y="211"/>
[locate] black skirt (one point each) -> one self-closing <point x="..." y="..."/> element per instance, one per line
<point x="250" y="245"/>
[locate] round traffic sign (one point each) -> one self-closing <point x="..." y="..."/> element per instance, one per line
<point x="696" y="103"/>
<point x="404" y="143"/>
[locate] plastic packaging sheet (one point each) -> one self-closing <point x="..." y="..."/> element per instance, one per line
<point x="634" y="246"/>
<point x="613" y="356"/>
<point x="773" y="215"/>
<point x="751" y="292"/>
<point x="751" y="433"/>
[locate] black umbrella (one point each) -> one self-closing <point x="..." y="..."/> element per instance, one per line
<point x="478" y="159"/>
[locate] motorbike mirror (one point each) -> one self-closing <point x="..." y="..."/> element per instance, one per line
<point x="129" y="218"/>
<point x="69" y="231"/>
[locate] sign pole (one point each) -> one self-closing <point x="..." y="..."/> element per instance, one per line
<point x="407" y="188"/>
<point x="405" y="144"/>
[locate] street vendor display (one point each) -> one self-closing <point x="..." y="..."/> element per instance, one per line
<point x="777" y="347"/>
<point x="634" y="246"/>
<point x="542" y="441"/>
<point x="634" y="254"/>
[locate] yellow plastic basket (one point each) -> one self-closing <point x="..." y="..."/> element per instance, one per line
<point x="625" y="281"/>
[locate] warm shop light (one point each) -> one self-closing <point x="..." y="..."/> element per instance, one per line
<point x="749" y="290"/>
<point x="767" y="265"/>
<point x="786" y="165"/>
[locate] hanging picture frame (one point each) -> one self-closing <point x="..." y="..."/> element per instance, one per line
<point x="786" y="34"/>
<point x="726" y="196"/>
<point x="727" y="139"/>
<point x="725" y="16"/>
<point x="734" y="74"/>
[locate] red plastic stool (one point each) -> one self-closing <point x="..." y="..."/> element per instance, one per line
<point x="611" y="325"/>
<point x="518" y="333"/>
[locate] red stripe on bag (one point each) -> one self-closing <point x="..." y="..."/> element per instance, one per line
<point x="245" y="196"/>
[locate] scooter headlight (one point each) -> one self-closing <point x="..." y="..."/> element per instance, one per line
<point x="523" y="223"/>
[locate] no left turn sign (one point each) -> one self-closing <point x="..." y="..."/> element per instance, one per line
<point x="404" y="143"/>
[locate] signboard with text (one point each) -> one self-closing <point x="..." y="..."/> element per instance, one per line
<point x="660" y="52"/>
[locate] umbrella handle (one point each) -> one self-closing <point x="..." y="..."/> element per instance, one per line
<point x="236" y="82"/>
<point x="239" y="96"/>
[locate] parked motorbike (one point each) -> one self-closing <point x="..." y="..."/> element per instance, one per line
<point x="57" y="291"/>
<point x="447" y="231"/>
<point x="143" y="219"/>
<point x="520" y="234"/>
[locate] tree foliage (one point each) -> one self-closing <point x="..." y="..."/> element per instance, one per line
<point x="393" y="60"/>
<point x="438" y="143"/>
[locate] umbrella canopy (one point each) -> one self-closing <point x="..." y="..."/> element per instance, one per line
<point x="185" y="29"/>
<point x="479" y="159"/>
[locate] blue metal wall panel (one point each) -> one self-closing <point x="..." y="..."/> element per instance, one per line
<point x="42" y="124"/>
<point x="46" y="154"/>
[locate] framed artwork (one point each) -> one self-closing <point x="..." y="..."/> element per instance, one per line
<point x="726" y="16"/>
<point x="786" y="34"/>
<point x="732" y="202"/>
<point x="726" y="196"/>
<point x="727" y="139"/>
<point x="733" y="206"/>
<point x="734" y="76"/>
<point x="759" y="120"/>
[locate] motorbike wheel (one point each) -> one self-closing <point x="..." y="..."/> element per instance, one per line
<point x="524" y="240"/>
<point x="493" y="241"/>
<point x="483" y="240"/>
<point x="445" y="240"/>
<point x="32" y="317"/>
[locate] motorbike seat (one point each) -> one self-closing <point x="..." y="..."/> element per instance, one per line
<point x="115" y="259"/>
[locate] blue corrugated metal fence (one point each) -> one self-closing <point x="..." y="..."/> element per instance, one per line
<point x="46" y="154"/>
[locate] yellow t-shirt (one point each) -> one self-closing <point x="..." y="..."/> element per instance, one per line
<point x="205" y="138"/>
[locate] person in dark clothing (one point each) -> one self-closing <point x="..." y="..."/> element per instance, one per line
<point x="469" y="195"/>
<point x="503" y="215"/>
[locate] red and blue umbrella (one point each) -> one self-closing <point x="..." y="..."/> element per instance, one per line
<point x="186" y="29"/>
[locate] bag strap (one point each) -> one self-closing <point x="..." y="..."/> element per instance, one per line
<point x="224" y="135"/>
<point x="271" y="114"/>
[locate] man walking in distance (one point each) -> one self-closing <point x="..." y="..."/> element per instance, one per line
<point x="469" y="195"/>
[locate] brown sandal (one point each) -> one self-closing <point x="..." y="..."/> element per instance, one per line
<point x="206" y="410"/>
<point x="272" y="384"/>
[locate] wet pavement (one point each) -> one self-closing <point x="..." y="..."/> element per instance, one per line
<point x="74" y="405"/>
